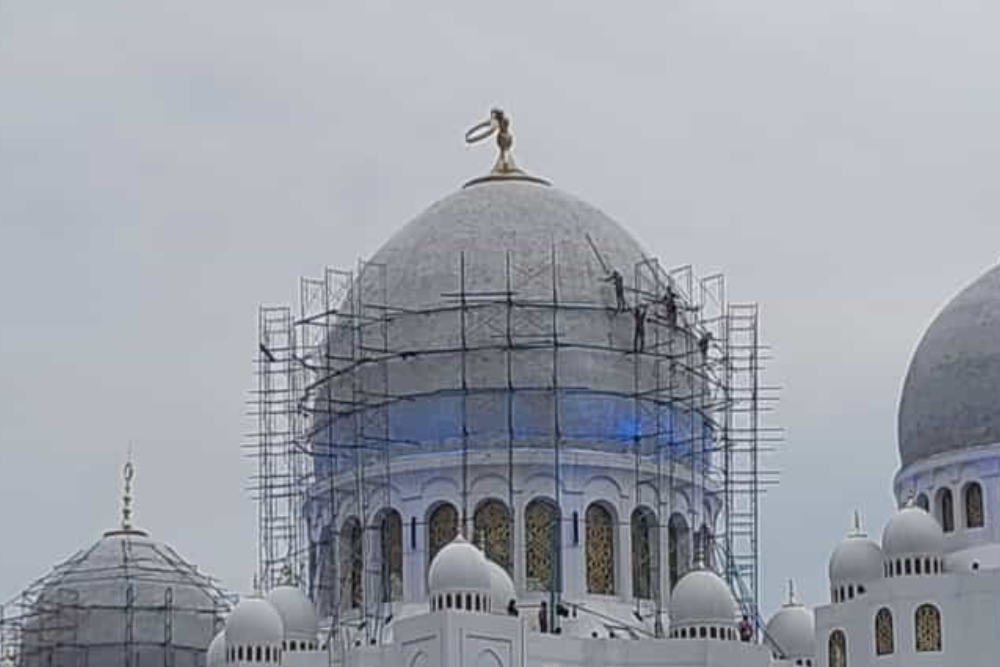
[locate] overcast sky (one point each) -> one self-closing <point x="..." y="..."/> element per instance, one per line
<point x="167" y="166"/>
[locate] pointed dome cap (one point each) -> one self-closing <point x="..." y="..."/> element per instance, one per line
<point x="254" y="622"/>
<point x="949" y="401"/>
<point x="216" y="651"/>
<point x="459" y="566"/>
<point x="298" y="615"/>
<point x="912" y="531"/>
<point x="501" y="587"/>
<point x="701" y="596"/>
<point x="793" y="628"/>
<point x="856" y="560"/>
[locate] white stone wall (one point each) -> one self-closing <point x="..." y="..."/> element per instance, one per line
<point x="970" y="618"/>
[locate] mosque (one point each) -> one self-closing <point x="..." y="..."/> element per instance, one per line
<point x="512" y="439"/>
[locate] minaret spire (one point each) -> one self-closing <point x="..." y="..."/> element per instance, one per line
<point x="128" y="474"/>
<point x="856" y="530"/>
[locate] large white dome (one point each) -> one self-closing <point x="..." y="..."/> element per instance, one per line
<point x="483" y="233"/>
<point x="949" y="400"/>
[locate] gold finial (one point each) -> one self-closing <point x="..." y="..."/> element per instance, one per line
<point x="505" y="168"/>
<point x="128" y="473"/>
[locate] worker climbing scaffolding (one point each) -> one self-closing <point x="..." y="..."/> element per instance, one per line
<point x="615" y="278"/>
<point x="639" y="336"/>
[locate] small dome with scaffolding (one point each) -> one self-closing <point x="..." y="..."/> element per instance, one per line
<point x="126" y="593"/>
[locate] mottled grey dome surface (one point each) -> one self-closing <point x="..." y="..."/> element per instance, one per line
<point x="125" y="594"/>
<point x="487" y="374"/>
<point x="951" y="397"/>
<point x="488" y="220"/>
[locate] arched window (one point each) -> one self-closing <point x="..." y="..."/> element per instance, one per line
<point x="679" y="544"/>
<point x="645" y="550"/>
<point x="837" y="649"/>
<point x="704" y="545"/>
<point x="885" y="642"/>
<point x="927" y="622"/>
<point x="442" y="528"/>
<point x="391" y="539"/>
<point x="351" y="565"/>
<point x="946" y="510"/>
<point x="973" y="505"/>
<point x="542" y="545"/>
<point x="492" y="527"/>
<point x="600" y="550"/>
<point x="923" y="502"/>
<point x="325" y="582"/>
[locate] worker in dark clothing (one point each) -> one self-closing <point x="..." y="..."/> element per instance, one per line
<point x="670" y="306"/>
<point x="543" y="617"/>
<point x="704" y="343"/>
<point x="512" y="607"/>
<point x="639" y="336"/>
<point x="746" y="629"/>
<point x="615" y="278"/>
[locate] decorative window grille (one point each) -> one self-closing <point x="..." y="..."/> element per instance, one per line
<point x="946" y="506"/>
<point x="541" y="524"/>
<point x="351" y="565"/>
<point x="600" y="550"/>
<point x="644" y="552"/>
<point x="492" y="531"/>
<point x="885" y="642"/>
<point x="928" y="628"/>
<point x="974" y="506"/>
<point x="442" y="528"/>
<point x="837" y="649"/>
<point x="391" y="534"/>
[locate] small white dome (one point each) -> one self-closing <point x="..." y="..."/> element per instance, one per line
<point x="501" y="588"/>
<point x="216" y="651"/>
<point x="254" y="622"/>
<point x="793" y="630"/>
<point x="459" y="566"/>
<point x="912" y="531"/>
<point x="298" y="615"/>
<point x="700" y="597"/>
<point x="856" y="560"/>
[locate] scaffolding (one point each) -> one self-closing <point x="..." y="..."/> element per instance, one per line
<point x="128" y="603"/>
<point x="325" y="408"/>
